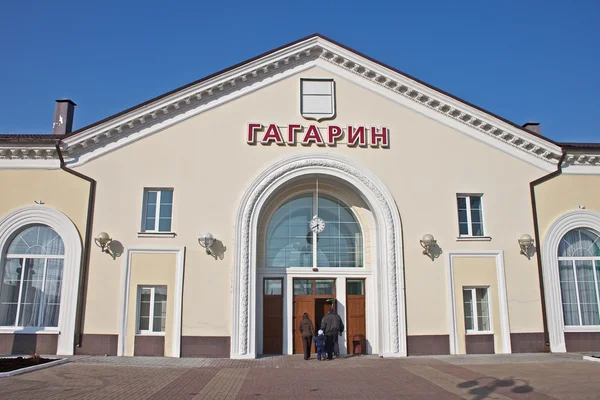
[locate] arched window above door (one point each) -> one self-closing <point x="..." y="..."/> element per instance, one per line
<point x="579" y="269"/>
<point x="289" y="239"/>
<point x="30" y="289"/>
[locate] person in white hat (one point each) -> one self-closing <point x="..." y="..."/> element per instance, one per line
<point x="320" y="345"/>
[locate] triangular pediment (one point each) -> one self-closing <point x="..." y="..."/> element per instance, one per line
<point x="157" y="114"/>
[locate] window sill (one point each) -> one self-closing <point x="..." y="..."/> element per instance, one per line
<point x="150" y="334"/>
<point x="473" y="238"/>
<point x="479" y="333"/>
<point x="29" y="330"/>
<point x="584" y="328"/>
<point x="156" y="234"/>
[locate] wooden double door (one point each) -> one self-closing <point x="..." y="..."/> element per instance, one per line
<point x="314" y="297"/>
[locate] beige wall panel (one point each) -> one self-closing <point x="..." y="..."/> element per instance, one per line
<point x="210" y="165"/>
<point x="153" y="269"/>
<point x="563" y="194"/>
<point x="56" y="188"/>
<point x="476" y="271"/>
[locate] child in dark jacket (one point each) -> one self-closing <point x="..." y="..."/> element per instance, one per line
<point x="320" y="345"/>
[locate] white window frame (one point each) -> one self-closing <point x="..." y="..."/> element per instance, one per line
<point x="24" y="258"/>
<point x="149" y="331"/>
<point x="317" y="115"/>
<point x="572" y="260"/>
<point x="467" y="198"/>
<point x="158" y="192"/>
<point x="475" y="330"/>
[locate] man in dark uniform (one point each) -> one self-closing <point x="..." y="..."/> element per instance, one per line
<point x="333" y="326"/>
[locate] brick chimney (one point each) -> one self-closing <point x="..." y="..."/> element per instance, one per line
<point x="533" y="127"/>
<point x="63" y="117"/>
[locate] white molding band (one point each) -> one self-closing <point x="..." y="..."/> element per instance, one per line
<point x="389" y="266"/>
<point x="502" y="299"/>
<point x="129" y="251"/>
<point x="61" y="224"/>
<point x="554" y="313"/>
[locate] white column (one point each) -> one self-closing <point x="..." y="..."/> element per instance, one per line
<point x="340" y="296"/>
<point x="288" y="314"/>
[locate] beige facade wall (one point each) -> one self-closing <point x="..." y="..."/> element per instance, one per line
<point x="209" y="164"/>
<point x="55" y="188"/>
<point x="565" y="193"/>
<point x="476" y="272"/>
<point x="152" y="269"/>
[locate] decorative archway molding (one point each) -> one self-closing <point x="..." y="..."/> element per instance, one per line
<point x="44" y="215"/>
<point x="562" y="225"/>
<point x="388" y="271"/>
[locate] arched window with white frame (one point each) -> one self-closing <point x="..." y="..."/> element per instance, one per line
<point x="579" y="269"/>
<point x="32" y="275"/>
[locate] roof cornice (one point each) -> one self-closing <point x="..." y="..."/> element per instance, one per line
<point x="226" y="85"/>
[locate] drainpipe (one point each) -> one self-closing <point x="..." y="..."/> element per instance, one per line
<point x="85" y="259"/>
<point x="536" y="230"/>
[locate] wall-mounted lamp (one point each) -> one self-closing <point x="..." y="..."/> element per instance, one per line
<point x="206" y="240"/>
<point x="526" y="243"/>
<point x="103" y="241"/>
<point x="427" y="243"/>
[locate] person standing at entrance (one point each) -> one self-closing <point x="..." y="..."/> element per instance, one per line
<point x="307" y="331"/>
<point x="333" y="326"/>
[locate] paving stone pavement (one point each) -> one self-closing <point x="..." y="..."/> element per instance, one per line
<point x="518" y="376"/>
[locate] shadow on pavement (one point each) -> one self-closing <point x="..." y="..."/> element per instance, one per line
<point x="481" y="388"/>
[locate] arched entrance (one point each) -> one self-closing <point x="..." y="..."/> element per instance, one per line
<point x="388" y="301"/>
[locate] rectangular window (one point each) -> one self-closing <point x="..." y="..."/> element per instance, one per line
<point x="273" y="287"/>
<point x="152" y="309"/>
<point x="317" y="97"/>
<point x="470" y="215"/>
<point x="579" y="280"/>
<point x="325" y="286"/>
<point x="477" y="309"/>
<point x="30" y="291"/>
<point x="158" y="209"/>
<point x="355" y="287"/>
<point x="303" y="287"/>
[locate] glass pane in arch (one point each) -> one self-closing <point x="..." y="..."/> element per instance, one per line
<point x="289" y="239"/>
<point x="579" y="243"/>
<point x="37" y="240"/>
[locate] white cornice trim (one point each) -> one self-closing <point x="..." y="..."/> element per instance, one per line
<point x="581" y="163"/>
<point x="28" y="157"/>
<point x="30" y="164"/>
<point x="123" y="129"/>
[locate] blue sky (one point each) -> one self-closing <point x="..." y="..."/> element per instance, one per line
<point x="523" y="60"/>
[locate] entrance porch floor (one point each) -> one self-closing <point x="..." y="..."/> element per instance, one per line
<point x="518" y="376"/>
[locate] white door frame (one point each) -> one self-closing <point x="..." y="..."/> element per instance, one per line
<point x="340" y="275"/>
<point x="178" y="293"/>
<point x="502" y="299"/>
